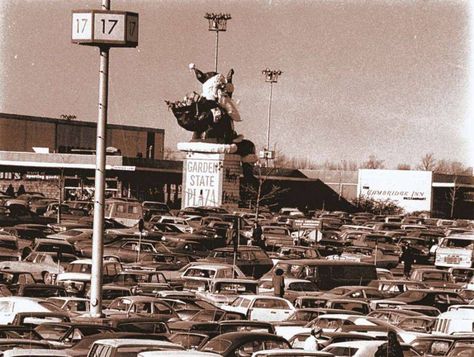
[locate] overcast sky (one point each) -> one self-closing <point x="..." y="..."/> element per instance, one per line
<point x="360" y="78"/>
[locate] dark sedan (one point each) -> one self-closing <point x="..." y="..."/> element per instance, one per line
<point x="244" y="343"/>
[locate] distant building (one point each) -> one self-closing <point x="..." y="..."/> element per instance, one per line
<point x="23" y="133"/>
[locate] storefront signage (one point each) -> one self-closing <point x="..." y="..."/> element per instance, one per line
<point x="410" y="190"/>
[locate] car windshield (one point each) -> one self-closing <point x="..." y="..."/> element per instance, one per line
<point x="303" y="286"/>
<point x="303" y="316"/>
<point x="79" y="268"/>
<point x="217" y="345"/>
<point x="436" y="276"/>
<point x="51" y="332"/>
<point x="8" y="244"/>
<point x="120" y="305"/>
<point x="207" y="315"/>
<point x="462" y="349"/>
<point x="378" y="239"/>
<point x="272" y="230"/>
<point x="187" y="341"/>
<point x="230" y="288"/>
<point x="342" y="351"/>
<point x="457" y="243"/>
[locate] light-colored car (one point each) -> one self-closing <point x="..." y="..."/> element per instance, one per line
<point x="78" y="274"/>
<point x="41" y="265"/>
<point x="200" y="276"/>
<point x="261" y="307"/>
<point x="363" y="349"/>
<point x="11" y="305"/>
<point x="32" y="352"/>
<point x="181" y="223"/>
<point x="177" y="354"/>
<point x="225" y="291"/>
<point x="290" y="353"/>
<point x="70" y="304"/>
<point x="293" y="288"/>
<point x="136" y="306"/>
<point x="73" y="235"/>
<point x="128" y="347"/>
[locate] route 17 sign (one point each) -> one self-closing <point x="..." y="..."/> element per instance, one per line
<point x="105" y="28"/>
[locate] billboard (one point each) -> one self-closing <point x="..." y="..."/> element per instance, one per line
<point x="410" y="190"/>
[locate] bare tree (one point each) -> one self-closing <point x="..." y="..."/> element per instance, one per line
<point x="452" y="196"/>
<point x="403" y="167"/>
<point x="428" y="162"/>
<point x="262" y="194"/>
<point x="451" y="167"/>
<point x="373" y="163"/>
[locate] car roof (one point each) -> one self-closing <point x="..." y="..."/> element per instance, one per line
<point x="291" y="352"/>
<point x="117" y="342"/>
<point x="322" y="262"/>
<point x="53" y="241"/>
<point x="356" y="344"/>
<point x="140" y="298"/>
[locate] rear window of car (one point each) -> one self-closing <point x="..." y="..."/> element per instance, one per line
<point x="218" y="345"/>
<point x="342" y="351"/>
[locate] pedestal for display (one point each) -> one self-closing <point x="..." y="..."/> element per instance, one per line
<point x="211" y="175"/>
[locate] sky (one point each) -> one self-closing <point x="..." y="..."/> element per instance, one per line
<point x="360" y="78"/>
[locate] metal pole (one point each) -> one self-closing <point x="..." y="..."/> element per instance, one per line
<point x="217" y="48"/>
<point x="98" y="228"/>
<point x="269" y="117"/>
<point x="61" y="189"/>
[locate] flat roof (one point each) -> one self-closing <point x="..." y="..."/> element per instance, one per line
<point x="76" y="122"/>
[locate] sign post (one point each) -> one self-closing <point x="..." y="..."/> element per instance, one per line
<point x="104" y="29"/>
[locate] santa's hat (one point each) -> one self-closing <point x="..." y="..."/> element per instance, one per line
<point x="201" y="77"/>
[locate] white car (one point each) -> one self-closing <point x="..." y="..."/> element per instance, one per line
<point x="290" y="353"/>
<point x="34" y="352"/>
<point x="363" y="349"/>
<point x="41" y="265"/>
<point x="261" y="307"/>
<point x="129" y="346"/>
<point x="181" y="223"/>
<point x="177" y="354"/>
<point x="199" y="276"/>
<point x="11" y="305"/>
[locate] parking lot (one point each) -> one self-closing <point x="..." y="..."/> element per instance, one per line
<point x="213" y="282"/>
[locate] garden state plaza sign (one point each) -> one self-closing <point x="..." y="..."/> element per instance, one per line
<point x="202" y="182"/>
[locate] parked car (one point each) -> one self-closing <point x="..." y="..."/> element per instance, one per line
<point x="326" y="274"/>
<point x="12" y="305"/>
<point x="42" y="266"/>
<point x="276" y="237"/>
<point x="434" y="278"/>
<point x="244" y="343"/>
<point x="261" y="307"/>
<point x="119" y="347"/>
<point x="136" y="306"/>
<point x="200" y="275"/>
<point x="224" y="291"/>
<point x="253" y="261"/>
<point x="364" y="349"/>
<point x="294" y="288"/>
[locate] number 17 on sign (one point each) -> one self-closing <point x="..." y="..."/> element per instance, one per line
<point x="105" y="28"/>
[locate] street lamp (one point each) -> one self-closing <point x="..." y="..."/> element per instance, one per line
<point x="271" y="76"/>
<point x="217" y="23"/>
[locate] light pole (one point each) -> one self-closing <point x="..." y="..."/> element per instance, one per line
<point x="217" y="23"/>
<point x="271" y="76"/>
